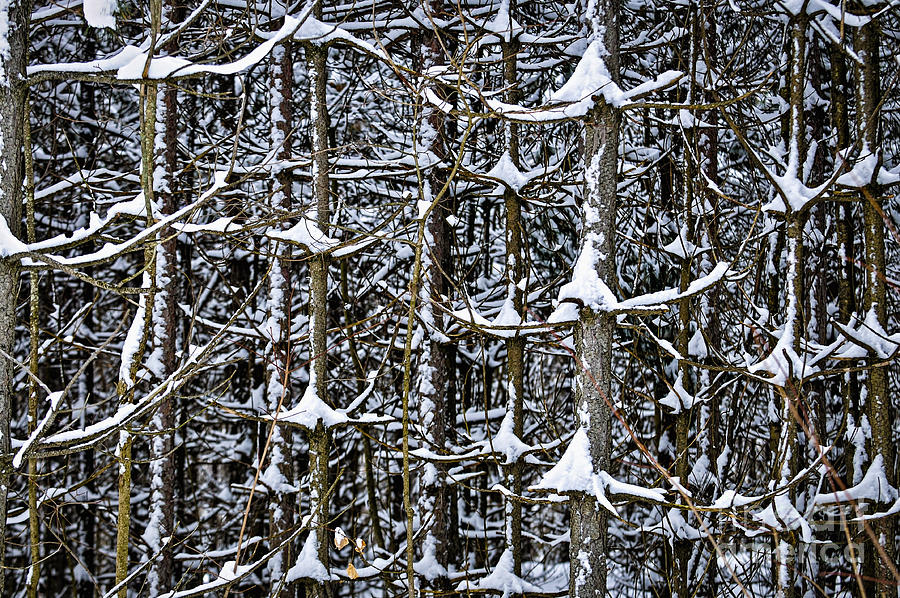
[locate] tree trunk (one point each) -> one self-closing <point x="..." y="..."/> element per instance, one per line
<point x="588" y="550"/>
<point x="164" y="341"/>
<point x="279" y="473"/>
<point x="12" y="115"/>
<point x="879" y="560"/>
<point x="138" y="335"/>
<point x="436" y="379"/>
<point x="320" y="436"/>
<point x="34" y="523"/>
<point x="516" y="284"/>
<point x="789" y="449"/>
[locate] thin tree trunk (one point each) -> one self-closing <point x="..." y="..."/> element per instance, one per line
<point x="788" y="450"/>
<point x="159" y="532"/>
<point x="710" y="437"/>
<point x="682" y="546"/>
<point x="516" y="278"/>
<point x="846" y="241"/>
<point x="87" y="520"/>
<point x="588" y="550"/>
<point x="879" y="565"/>
<point x="279" y="473"/>
<point x="436" y="384"/>
<point x="84" y="585"/>
<point x="34" y="522"/>
<point x="320" y="435"/>
<point x="367" y="455"/>
<point x="12" y="115"/>
<point x="139" y="332"/>
<point x="406" y="392"/>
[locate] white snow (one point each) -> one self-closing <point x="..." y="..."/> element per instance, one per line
<point x="428" y="566"/>
<point x="870" y="336"/>
<point x="873" y="486"/>
<point x="311" y="409"/>
<point x="307" y="234"/>
<point x="506" y="324"/>
<point x="862" y="172"/>
<point x="100" y="13"/>
<point x="590" y="78"/>
<point x="783" y="516"/>
<point x="503" y="25"/>
<point x="132" y="343"/>
<point x="730" y="499"/>
<point x="220" y="225"/>
<point x="574" y="473"/>
<point x="131" y="61"/>
<point x="678" y="399"/>
<point x="9" y="243"/>
<point x="113" y="62"/>
<point x="697" y="345"/>
<point x="506" y="442"/>
<point x="340" y="538"/>
<point x="54" y="399"/>
<point x="507" y="316"/>
<point x="502" y="579"/>
<point x="587" y="288"/>
<point x="308" y="565"/>
<point x="680" y="246"/>
<point x="575" y="98"/>
<point x="507" y="172"/>
<point x="230" y="572"/>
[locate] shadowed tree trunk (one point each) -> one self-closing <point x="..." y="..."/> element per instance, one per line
<point x="282" y="499"/>
<point x="594" y="332"/>
<point x="435" y="387"/>
<point x="12" y="114"/>
<point x="879" y="566"/>
<point x="319" y="435"/>
<point x="160" y="525"/>
<point x="789" y="450"/>
<point x="516" y="284"/>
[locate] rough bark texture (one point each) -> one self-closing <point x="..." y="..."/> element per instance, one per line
<point x="788" y="450"/>
<point x="320" y="437"/>
<point x="516" y="277"/>
<point x="681" y="546"/>
<point x="437" y="384"/>
<point x="34" y="304"/>
<point x="711" y="442"/>
<point x="588" y="550"/>
<point x="165" y="337"/>
<point x="12" y="111"/>
<point x="139" y="332"/>
<point x="87" y="521"/>
<point x="282" y="508"/>
<point x="878" y="560"/>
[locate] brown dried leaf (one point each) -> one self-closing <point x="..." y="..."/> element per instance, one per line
<point x="340" y="539"/>
<point x="351" y="571"/>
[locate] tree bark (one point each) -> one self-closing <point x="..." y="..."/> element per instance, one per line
<point x="588" y="550"/>
<point x="516" y="284"/>
<point x="436" y="378"/>
<point x="140" y="331"/>
<point x="320" y="435"/>
<point x="12" y="114"/>
<point x="789" y="450"/>
<point x="879" y="561"/>
<point x="279" y="474"/>
<point x="160" y="526"/>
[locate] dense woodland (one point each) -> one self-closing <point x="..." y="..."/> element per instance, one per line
<point x="427" y="298"/>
